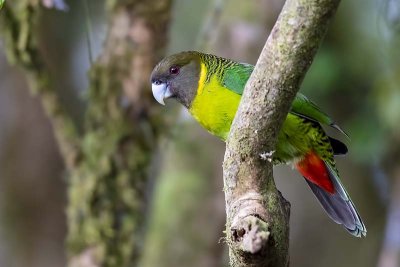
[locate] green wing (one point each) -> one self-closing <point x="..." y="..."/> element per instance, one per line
<point x="305" y="108"/>
<point x="235" y="78"/>
<point x="236" y="75"/>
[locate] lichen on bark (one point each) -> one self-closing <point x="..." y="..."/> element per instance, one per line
<point x="107" y="191"/>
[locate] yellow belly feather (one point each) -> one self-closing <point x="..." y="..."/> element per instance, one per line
<point x="214" y="106"/>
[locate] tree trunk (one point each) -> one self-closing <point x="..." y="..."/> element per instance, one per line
<point x="107" y="163"/>
<point x="257" y="214"/>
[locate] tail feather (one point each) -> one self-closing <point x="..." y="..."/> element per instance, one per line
<point x="339" y="206"/>
<point x="339" y="148"/>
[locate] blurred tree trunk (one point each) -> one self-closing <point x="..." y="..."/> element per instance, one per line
<point x="32" y="228"/>
<point x="390" y="253"/>
<point x="188" y="217"/>
<point x="108" y="162"/>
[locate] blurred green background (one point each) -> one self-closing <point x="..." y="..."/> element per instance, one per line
<point x="355" y="78"/>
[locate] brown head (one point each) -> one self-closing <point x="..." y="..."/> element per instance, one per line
<point x="177" y="76"/>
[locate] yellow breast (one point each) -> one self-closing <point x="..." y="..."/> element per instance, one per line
<point x="214" y="106"/>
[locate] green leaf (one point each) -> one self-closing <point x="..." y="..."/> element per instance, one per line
<point x="1" y="3"/>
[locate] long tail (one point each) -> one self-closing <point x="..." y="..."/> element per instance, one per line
<point x="324" y="181"/>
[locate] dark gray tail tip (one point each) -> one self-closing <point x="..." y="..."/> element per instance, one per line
<point x="358" y="231"/>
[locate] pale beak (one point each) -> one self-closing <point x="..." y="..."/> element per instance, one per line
<point x="160" y="92"/>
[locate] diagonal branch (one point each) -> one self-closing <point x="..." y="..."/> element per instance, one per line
<point x="257" y="214"/>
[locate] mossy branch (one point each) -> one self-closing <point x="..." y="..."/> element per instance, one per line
<point x="257" y="214"/>
<point x="107" y="193"/>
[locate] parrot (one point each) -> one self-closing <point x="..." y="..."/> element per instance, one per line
<point x="210" y="87"/>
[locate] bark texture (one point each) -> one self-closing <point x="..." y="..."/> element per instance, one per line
<point x="257" y="215"/>
<point x="108" y="161"/>
<point x="107" y="190"/>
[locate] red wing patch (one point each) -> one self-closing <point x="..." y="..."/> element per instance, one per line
<point x="314" y="170"/>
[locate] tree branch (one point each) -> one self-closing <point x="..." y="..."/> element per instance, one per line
<point x="257" y="214"/>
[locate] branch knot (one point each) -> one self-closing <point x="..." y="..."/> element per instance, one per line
<point x="251" y="234"/>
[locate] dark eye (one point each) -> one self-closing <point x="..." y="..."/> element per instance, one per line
<point x="174" y="70"/>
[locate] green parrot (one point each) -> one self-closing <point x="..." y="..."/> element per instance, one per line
<point x="210" y="87"/>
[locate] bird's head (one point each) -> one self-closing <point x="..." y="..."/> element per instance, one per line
<point x="177" y="76"/>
